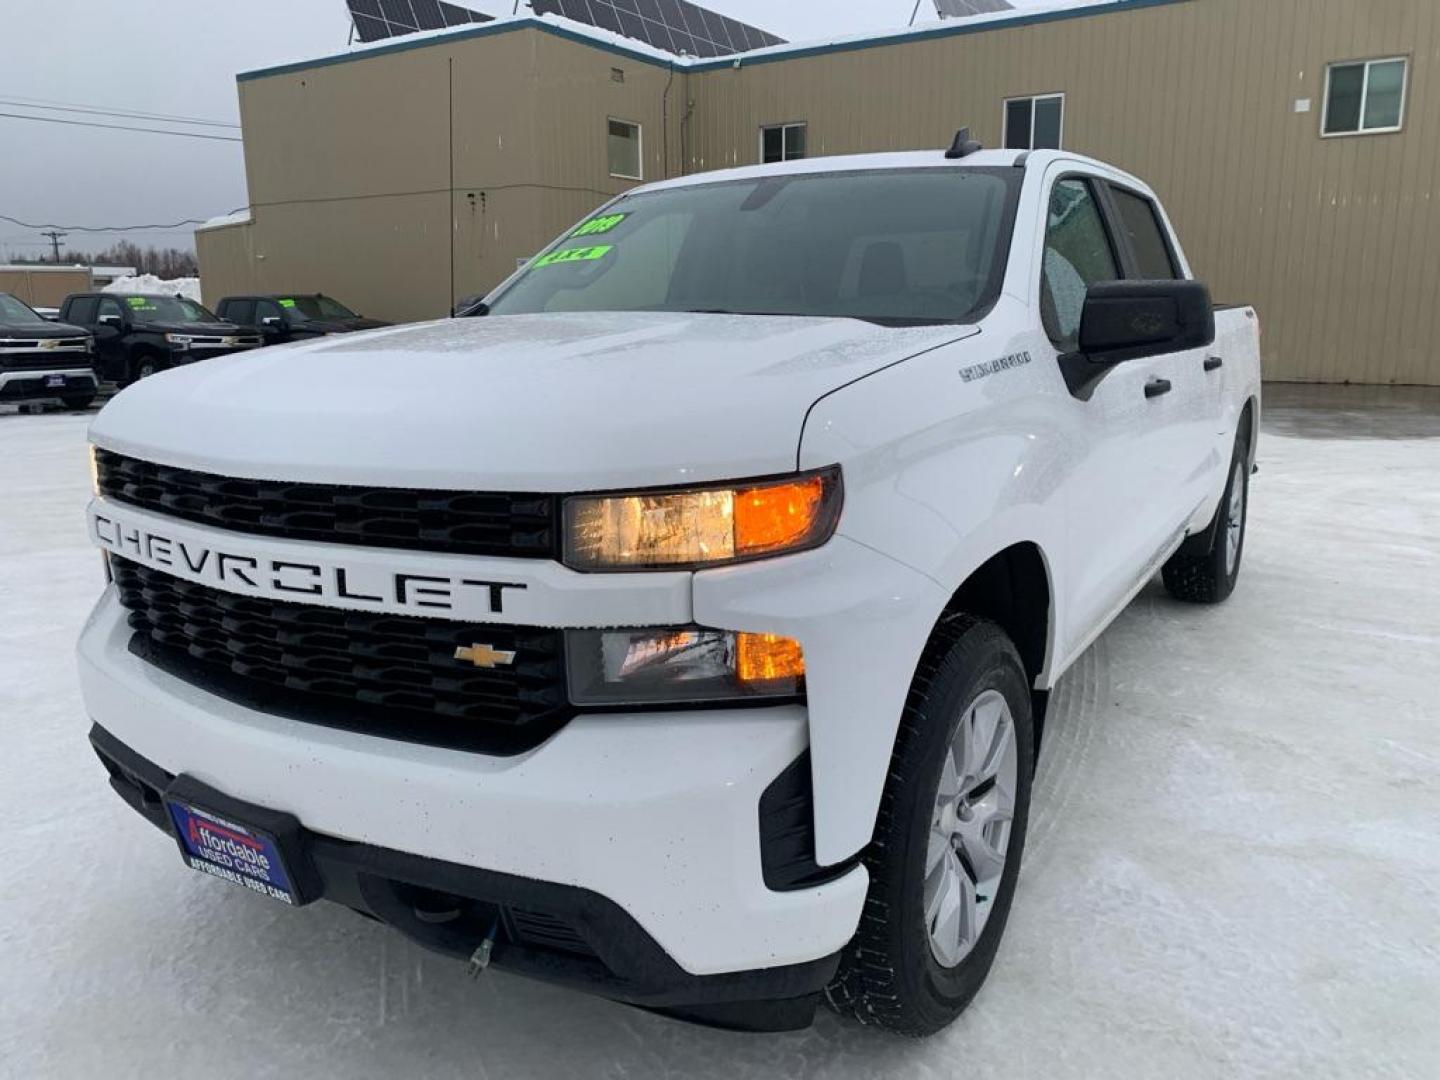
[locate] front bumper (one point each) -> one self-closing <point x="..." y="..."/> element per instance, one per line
<point x="562" y="934"/>
<point x="653" y="815"/>
<point x="196" y="353"/>
<point x="32" y="385"/>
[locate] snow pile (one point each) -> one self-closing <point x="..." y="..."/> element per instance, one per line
<point x="237" y="217"/>
<point x="188" y="287"/>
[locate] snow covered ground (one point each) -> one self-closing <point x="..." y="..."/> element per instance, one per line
<point x="1234" y="868"/>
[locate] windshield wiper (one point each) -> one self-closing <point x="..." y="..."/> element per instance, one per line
<point x="731" y="311"/>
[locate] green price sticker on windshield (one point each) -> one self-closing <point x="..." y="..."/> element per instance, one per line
<point x="137" y="301"/>
<point x="287" y="303"/>
<point x="579" y="254"/>
<point x="596" y="226"/>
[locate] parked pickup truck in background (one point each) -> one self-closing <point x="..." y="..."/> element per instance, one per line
<point x="282" y="317"/>
<point x="139" y="335"/>
<point x="40" y="359"/>
<point x="682" y="629"/>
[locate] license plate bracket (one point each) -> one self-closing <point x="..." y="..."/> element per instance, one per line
<point x="250" y="846"/>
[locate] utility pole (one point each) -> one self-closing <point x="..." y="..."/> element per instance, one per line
<point x="55" y="236"/>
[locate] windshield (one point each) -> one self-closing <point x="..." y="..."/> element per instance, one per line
<point x="15" y="312"/>
<point x="151" y="309"/>
<point x="916" y="245"/>
<point x="305" y="308"/>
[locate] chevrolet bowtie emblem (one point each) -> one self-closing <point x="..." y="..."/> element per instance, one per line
<point x="484" y="656"/>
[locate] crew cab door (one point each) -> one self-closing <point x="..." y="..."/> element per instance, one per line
<point x="1115" y="482"/>
<point x="109" y="328"/>
<point x="1190" y="410"/>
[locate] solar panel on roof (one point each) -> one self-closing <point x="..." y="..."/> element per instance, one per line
<point x="376" y="20"/>
<point x="676" y="26"/>
<point x="673" y="25"/>
<point x="960" y="9"/>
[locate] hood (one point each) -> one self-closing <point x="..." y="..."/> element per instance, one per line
<point x="41" y="331"/>
<point x="210" y="329"/>
<point x="556" y="402"/>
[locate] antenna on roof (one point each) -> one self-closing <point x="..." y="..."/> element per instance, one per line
<point x="963" y="146"/>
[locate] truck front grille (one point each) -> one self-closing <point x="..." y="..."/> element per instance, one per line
<point x="33" y="355"/>
<point x="459" y="522"/>
<point x="394" y="676"/>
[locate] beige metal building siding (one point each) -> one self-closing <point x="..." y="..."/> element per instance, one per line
<point x="44" y="286"/>
<point x="1336" y="241"/>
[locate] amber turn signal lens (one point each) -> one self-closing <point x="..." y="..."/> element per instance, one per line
<point x="702" y="527"/>
<point x="768" y="658"/>
<point x="777" y="516"/>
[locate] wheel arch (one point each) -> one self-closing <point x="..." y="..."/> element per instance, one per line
<point x="1014" y="588"/>
<point x="1249" y="423"/>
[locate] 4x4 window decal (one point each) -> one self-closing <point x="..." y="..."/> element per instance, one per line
<point x="579" y="254"/>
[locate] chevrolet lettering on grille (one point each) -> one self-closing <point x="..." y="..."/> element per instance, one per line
<point x="296" y="578"/>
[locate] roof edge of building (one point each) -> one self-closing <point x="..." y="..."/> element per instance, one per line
<point x="467" y="33"/>
<point x="771" y="54"/>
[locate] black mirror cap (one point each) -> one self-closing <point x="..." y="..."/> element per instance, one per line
<point x="1128" y="320"/>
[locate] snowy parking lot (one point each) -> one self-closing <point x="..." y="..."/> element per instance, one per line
<point x="1233" y="868"/>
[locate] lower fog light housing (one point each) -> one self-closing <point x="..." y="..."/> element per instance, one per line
<point x="684" y="665"/>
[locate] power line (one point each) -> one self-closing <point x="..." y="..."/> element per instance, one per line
<point x="121" y="114"/>
<point x="119" y="127"/>
<point x="87" y="106"/>
<point x="110" y="228"/>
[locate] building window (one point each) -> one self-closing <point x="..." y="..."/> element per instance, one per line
<point x="1034" y="123"/>
<point x="782" y="142"/>
<point x="624" y="140"/>
<point x="1365" y="96"/>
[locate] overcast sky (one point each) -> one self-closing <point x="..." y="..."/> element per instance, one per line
<point x="179" y="58"/>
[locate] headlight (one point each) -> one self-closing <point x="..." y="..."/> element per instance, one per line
<point x="687" y="664"/>
<point x="182" y="340"/>
<point x="654" y="530"/>
<point x="94" y="471"/>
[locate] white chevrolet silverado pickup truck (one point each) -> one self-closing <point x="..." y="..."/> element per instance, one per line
<point x="679" y="628"/>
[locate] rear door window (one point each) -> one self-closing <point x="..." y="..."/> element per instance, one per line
<point x="1078" y="253"/>
<point x="1141" y="225"/>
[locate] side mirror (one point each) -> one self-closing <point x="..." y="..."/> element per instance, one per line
<point x="1128" y="320"/>
<point x="271" y="321"/>
<point x="111" y="320"/>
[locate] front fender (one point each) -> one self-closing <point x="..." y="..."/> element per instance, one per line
<point x="863" y="619"/>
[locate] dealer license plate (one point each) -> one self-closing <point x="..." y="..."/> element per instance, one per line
<point x="55" y="381"/>
<point x="232" y="851"/>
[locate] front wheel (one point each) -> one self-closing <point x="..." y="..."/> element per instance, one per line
<point x="142" y="367"/>
<point x="948" y="839"/>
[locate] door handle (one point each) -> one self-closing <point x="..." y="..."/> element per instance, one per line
<point x="1213" y="362"/>
<point x="1156" y="387"/>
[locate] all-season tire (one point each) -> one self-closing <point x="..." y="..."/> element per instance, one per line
<point x="1210" y="576"/>
<point x="890" y="974"/>
<point x="145" y="365"/>
<point x="79" y="401"/>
